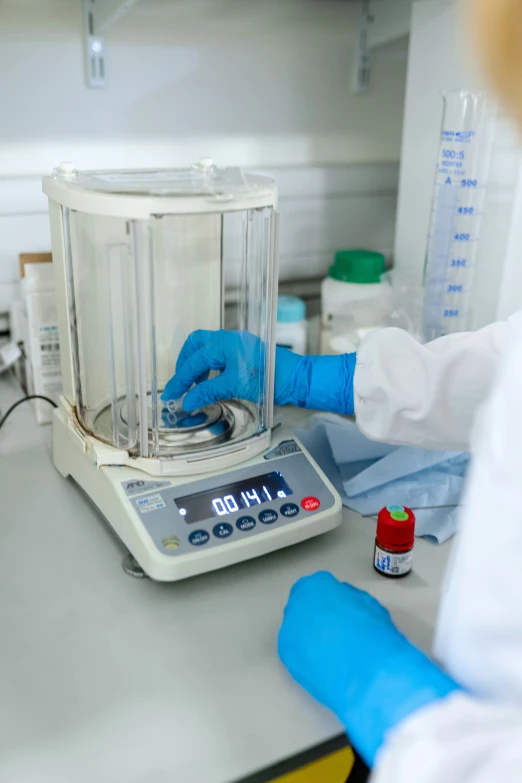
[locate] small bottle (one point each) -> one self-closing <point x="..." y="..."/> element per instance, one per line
<point x="291" y="324"/>
<point x="356" y="298"/>
<point x="393" y="554"/>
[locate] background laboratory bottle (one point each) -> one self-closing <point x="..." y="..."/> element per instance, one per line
<point x="393" y="553"/>
<point x="291" y="323"/>
<point x="356" y="298"/>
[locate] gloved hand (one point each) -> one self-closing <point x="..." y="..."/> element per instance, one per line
<point x="324" y="382"/>
<point x="341" y="645"/>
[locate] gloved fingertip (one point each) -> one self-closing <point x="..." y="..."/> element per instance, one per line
<point x="312" y="581"/>
<point x="172" y="390"/>
<point x="192" y="401"/>
<point x="285" y="641"/>
<point x="283" y="651"/>
<point x="324" y="575"/>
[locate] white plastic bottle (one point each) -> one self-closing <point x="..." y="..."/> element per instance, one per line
<point x="291" y="323"/>
<point x="356" y="298"/>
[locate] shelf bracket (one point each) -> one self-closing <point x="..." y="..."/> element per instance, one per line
<point x="98" y="17"/>
<point x="363" y="55"/>
<point x="380" y="22"/>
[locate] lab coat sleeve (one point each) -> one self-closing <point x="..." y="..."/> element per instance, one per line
<point x="426" y="395"/>
<point x="474" y="739"/>
<point x="458" y="740"/>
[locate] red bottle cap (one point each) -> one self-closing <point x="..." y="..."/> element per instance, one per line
<point x="396" y="527"/>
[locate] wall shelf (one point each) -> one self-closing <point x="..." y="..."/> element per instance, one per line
<point x="98" y="18"/>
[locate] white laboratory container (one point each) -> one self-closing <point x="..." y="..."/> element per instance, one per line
<point x="37" y="323"/>
<point x="291" y="324"/>
<point x="356" y="298"/>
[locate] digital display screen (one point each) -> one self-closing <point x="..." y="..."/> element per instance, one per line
<point x="233" y="497"/>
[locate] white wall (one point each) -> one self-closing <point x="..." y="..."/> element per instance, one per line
<point x="258" y="83"/>
<point x="248" y="81"/>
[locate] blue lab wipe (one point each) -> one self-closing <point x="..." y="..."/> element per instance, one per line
<point x="370" y="475"/>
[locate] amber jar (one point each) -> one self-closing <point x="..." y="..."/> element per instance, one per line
<point x="393" y="552"/>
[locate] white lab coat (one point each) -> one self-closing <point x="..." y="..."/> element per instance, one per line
<point x="430" y="395"/>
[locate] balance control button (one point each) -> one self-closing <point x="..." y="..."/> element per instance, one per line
<point x="289" y="510"/>
<point x="223" y="530"/>
<point x="268" y="516"/>
<point x="245" y="523"/>
<point x="171" y="542"/>
<point x="310" y="503"/>
<point x="199" y="537"/>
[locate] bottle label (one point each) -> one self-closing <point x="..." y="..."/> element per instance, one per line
<point x="395" y="564"/>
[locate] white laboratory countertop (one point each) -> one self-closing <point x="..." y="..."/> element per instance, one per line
<point x="109" y="678"/>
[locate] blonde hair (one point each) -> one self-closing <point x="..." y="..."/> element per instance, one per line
<point x="498" y="30"/>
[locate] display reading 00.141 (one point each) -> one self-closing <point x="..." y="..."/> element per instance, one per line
<point x="238" y="496"/>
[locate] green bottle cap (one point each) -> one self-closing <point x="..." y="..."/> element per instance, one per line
<point x="399" y="516"/>
<point x="357" y="266"/>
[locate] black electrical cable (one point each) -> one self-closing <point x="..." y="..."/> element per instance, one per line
<point x="24" y="399"/>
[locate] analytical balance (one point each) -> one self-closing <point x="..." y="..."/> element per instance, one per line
<point x="142" y="259"/>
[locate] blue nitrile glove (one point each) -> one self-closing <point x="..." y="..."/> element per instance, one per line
<point x="324" y="382"/>
<point x="341" y="645"/>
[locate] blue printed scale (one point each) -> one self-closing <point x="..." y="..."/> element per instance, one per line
<point x="456" y="214"/>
